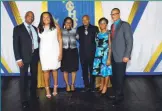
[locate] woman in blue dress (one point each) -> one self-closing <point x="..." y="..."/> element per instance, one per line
<point x="102" y="60"/>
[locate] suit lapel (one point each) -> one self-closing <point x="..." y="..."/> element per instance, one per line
<point x="118" y="28"/>
<point x="89" y="29"/>
<point x="25" y="30"/>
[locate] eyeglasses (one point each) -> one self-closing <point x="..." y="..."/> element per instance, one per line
<point x="102" y="23"/>
<point x="114" y="14"/>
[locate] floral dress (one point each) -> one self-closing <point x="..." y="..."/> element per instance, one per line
<point x="101" y="55"/>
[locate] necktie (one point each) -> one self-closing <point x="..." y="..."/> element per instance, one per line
<point x="86" y="31"/>
<point x="113" y="31"/>
<point x="31" y="36"/>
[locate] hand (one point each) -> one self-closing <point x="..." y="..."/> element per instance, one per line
<point x="20" y="64"/>
<point x="108" y="62"/>
<point x="60" y="57"/>
<point x="57" y="26"/>
<point x="125" y="59"/>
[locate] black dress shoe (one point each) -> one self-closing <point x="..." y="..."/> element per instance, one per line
<point x="93" y="90"/>
<point x="34" y="97"/>
<point x="37" y="97"/>
<point x="111" y="97"/>
<point x="103" y="94"/>
<point x="86" y="90"/>
<point x="117" y="101"/>
<point x="25" y="104"/>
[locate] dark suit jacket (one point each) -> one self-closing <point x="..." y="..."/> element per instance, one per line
<point x="122" y="42"/>
<point x="87" y="46"/>
<point x="22" y="43"/>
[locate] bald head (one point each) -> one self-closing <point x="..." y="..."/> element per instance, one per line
<point x="86" y="20"/>
<point x="29" y="17"/>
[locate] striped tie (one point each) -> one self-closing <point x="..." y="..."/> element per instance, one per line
<point x="31" y="36"/>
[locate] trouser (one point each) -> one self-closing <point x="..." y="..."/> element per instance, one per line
<point x="118" y="70"/>
<point x="87" y="67"/>
<point x="24" y="77"/>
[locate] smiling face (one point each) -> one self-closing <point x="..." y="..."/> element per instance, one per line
<point x="29" y="17"/>
<point x="46" y="19"/>
<point x="103" y="25"/>
<point x="68" y="24"/>
<point x="115" y="15"/>
<point x="85" y="20"/>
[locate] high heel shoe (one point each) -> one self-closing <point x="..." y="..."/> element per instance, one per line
<point x="55" y="90"/>
<point x="104" y="90"/>
<point x="48" y="95"/>
<point x="72" y="88"/>
<point x="67" y="88"/>
<point x="100" y="89"/>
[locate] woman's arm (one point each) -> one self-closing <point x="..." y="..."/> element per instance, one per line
<point x="59" y="37"/>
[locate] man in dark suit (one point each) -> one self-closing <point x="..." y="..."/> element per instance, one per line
<point x="122" y="43"/>
<point x="25" y="44"/>
<point x="87" y="34"/>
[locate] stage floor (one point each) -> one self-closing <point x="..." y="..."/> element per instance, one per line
<point x="141" y="94"/>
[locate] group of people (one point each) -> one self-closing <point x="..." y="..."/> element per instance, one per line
<point x="102" y="53"/>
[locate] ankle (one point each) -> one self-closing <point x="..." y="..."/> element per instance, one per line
<point x="101" y="86"/>
<point x="55" y="86"/>
<point x="47" y="88"/>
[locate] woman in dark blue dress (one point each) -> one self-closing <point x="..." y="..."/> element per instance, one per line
<point x="102" y="60"/>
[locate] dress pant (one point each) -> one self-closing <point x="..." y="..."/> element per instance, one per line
<point x="24" y="77"/>
<point x="87" y="67"/>
<point x="118" y="70"/>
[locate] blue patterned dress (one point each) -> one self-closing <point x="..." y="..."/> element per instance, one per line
<point x="99" y="66"/>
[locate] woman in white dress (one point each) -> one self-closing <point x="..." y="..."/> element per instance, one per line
<point x="50" y="50"/>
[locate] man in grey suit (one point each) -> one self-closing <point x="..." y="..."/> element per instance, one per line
<point x="122" y="43"/>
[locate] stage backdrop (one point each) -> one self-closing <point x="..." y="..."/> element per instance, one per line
<point x="144" y="17"/>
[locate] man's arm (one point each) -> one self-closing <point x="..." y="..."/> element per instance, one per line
<point x="128" y="35"/>
<point x="16" y="47"/>
<point x="16" y="44"/>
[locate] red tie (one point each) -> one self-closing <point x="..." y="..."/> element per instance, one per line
<point x="113" y="31"/>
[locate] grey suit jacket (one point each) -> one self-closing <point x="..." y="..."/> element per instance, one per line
<point x="122" y="42"/>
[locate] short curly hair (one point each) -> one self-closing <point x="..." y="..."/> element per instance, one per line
<point x="103" y="19"/>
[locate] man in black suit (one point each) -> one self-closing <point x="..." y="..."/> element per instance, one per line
<point x="87" y="34"/>
<point x="25" y="45"/>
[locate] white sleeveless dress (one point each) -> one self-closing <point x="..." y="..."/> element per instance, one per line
<point x="49" y="50"/>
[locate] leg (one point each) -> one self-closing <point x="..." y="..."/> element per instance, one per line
<point x="34" y="72"/>
<point x="46" y="80"/>
<point x="92" y="77"/>
<point x="24" y="82"/>
<point x="119" y="79"/>
<point x="112" y="78"/>
<point x="66" y="78"/>
<point x="101" y="84"/>
<point x="106" y="81"/>
<point x="73" y="80"/>
<point x="85" y="74"/>
<point x="55" y="77"/>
